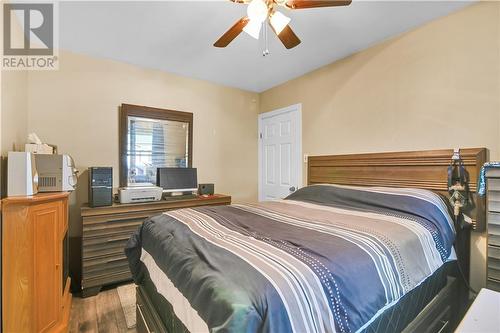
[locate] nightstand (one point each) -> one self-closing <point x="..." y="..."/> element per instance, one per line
<point x="484" y="314"/>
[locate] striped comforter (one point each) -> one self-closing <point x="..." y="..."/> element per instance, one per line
<point x="326" y="259"/>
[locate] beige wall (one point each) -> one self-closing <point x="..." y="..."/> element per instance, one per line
<point x="1" y="108"/>
<point x="13" y="105"/>
<point x="81" y="100"/>
<point x="412" y="92"/>
<point x="76" y="108"/>
<point x="14" y="110"/>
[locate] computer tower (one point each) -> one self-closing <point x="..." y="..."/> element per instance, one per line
<point x="100" y="186"/>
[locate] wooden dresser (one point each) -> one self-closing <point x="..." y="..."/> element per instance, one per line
<point x="493" y="206"/>
<point x="106" y="230"/>
<point x="35" y="280"/>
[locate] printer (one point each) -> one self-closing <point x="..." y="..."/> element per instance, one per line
<point x="56" y="173"/>
<point x="138" y="194"/>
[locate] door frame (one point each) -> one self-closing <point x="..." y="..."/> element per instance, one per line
<point x="296" y="109"/>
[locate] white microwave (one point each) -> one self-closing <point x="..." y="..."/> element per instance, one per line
<point x="55" y="173"/>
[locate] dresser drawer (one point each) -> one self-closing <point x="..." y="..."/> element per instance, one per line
<point x="492" y="262"/>
<point x="493" y="252"/>
<point x="111" y="227"/>
<point x="493" y="184"/>
<point x="494" y="195"/>
<point x="119" y="236"/>
<point x="97" y="245"/>
<point x="494" y="274"/>
<point x="132" y="215"/>
<point x="493" y="284"/>
<point x="494" y="206"/>
<point x="98" y="268"/>
<point x="112" y="262"/>
<point x="494" y="239"/>
<point x="106" y="278"/>
<point x="494" y="234"/>
<point x="106" y="268"/>
<point x="493" y="218"/>
<point x="102" y="251"/>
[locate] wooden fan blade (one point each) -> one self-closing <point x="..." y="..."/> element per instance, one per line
<point x="288" y="37"/>
<point x="305" y="4"/>
<point x="232" y="33"/>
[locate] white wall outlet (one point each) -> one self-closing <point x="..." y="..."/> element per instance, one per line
<point x="306" y="156"/>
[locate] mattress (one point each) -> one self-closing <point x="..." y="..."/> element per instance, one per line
<point x="395" y="319"/>
<point x="326" y="259"/>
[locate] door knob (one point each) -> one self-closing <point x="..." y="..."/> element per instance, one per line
<point x="292" y="189"/>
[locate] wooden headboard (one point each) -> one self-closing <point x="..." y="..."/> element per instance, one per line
<point x="417" y="169"/>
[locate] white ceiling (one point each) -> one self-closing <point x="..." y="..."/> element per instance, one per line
<point x="177" y="36"/>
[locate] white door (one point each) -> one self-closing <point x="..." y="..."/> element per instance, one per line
<point x="280" y="150"/>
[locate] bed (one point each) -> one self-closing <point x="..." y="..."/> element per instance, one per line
<point x="368" y="246"/>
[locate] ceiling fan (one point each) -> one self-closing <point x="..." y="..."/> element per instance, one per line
<point x="260" y="11"/>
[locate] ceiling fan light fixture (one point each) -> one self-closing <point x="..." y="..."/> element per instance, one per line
<point x="260" y="11"/>
<point x="279" y="21"/>
<point x="253" y="28"/>
<point x="257" y="11"/>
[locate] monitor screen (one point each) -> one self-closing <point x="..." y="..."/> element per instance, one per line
<point x="177" y="179"/>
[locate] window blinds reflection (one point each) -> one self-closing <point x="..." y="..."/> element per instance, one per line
<point x="153" y="143"/>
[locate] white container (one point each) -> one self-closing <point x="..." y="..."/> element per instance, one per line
<point x="38" y="148"/>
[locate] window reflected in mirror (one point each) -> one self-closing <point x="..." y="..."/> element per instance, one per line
<point x="152" y="144"/>
<point x="152" y="138"/>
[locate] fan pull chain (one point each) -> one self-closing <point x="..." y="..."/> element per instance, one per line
<point x="266" y="52"/>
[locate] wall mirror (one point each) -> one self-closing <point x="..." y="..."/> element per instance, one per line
<point x="152" y="138"/>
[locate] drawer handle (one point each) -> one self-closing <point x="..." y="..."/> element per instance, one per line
<point x="127" y="219"/>
<point x="445" y="323"/>
<point x="111" y="240"/>
<point x="115" y="259"/>
<point x="143" y="319"/>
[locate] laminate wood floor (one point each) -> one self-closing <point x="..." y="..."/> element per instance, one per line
<point x="102" y="313"/>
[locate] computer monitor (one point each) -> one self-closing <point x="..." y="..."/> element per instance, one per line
<point x="177" y="179"/>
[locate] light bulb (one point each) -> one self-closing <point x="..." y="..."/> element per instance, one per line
<point x="257" y="11"/>
<point x="279" y="22"/>
<point x="253" y="28"/>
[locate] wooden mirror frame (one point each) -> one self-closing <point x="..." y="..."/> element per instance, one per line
<point x="129" y="110"/>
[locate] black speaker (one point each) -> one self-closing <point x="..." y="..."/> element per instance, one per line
<point x="206" y="189"/>
<point x="100" y="186"/>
